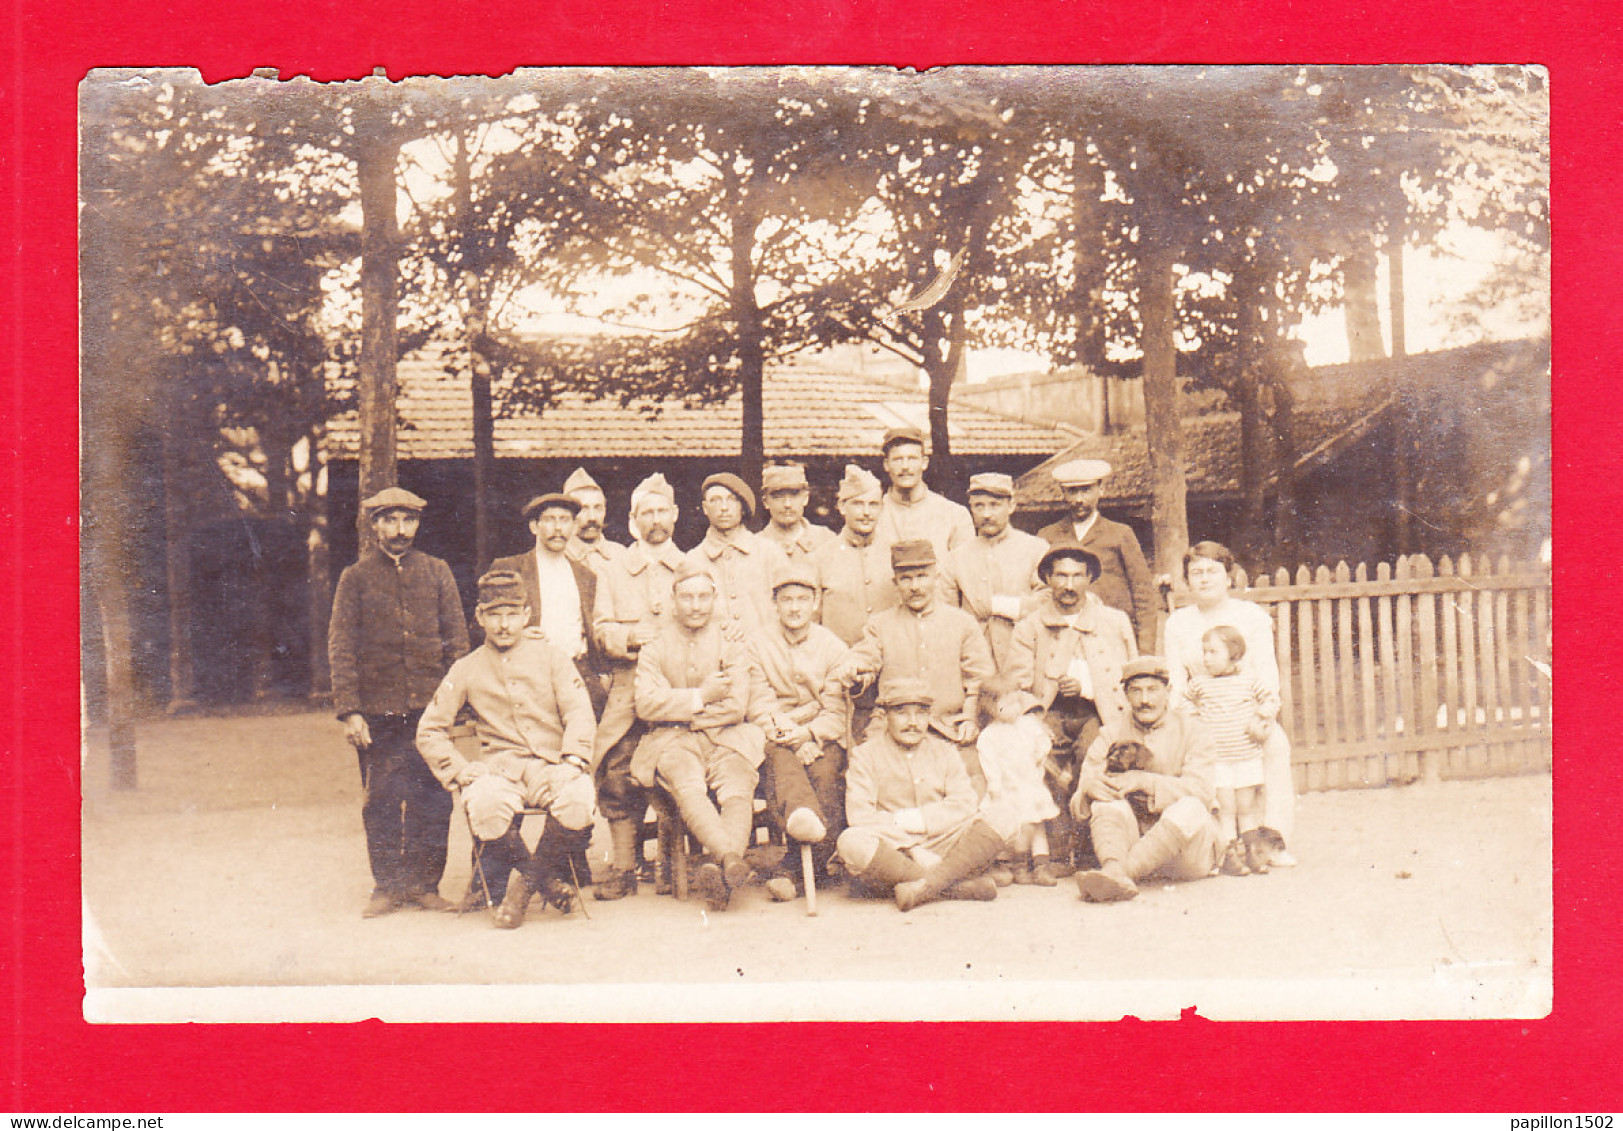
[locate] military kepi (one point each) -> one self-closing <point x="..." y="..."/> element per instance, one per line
<point x="915" y="554"/>
<point x="783" y="477"/>
<point x="906" y="434"/>
<point x="392" y="499"/>
<point x="1146" y="666"/>
<point x="992" y="483"/>
<point x="794" y="572"/>
<point x="904" y="690"/>
<point x="501" y="587"/>
<point x="687" y="569"/>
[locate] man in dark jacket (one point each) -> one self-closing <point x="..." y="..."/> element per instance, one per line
<point x="562" y="592"/>
<point x="1124" y="581"/>
<point x="396" y="629"/>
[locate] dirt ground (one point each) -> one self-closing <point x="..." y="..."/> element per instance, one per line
<point x="241" y="863"/>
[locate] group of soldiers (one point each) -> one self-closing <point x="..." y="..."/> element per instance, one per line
<point x="840" y="676"/>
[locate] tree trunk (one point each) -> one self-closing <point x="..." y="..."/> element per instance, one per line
<point x="1363" y="312"/>
<point x="1090" y="267"/>
<point x="178" y="488"/>
<point x="318" y="568"/>
<point x="1402" y="416"/>
<point x="113" y="606"/>
<point x="1287" y="521"/>
<point x="751" y="348"/>
<point x="484" y="462"/>
<point x="110" y="413"/>
<point x="1255" y="464"/>
<point x="476" y="326"/>
<point x="945" y="467"/>
<point x="377" y="152"/>
<point x="1162" y="423"/>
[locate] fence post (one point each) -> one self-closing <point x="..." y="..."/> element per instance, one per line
<point x="1426" y="623"/>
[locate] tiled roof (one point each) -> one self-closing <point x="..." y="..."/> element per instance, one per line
<point x="1338" y="404"/>
<point x="807" y="414"/>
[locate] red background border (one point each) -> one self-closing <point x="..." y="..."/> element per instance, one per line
<point x="58" y="1063"/>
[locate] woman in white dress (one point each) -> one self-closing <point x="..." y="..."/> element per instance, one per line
<point x="1208" y="568"/>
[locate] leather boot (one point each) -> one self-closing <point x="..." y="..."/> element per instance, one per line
<point x="1111" y="882"/>
<point x="497" y="862"/>
<point x="704" y="822"/>
<point x="737" y="821"/>
<point x="1156" y="848"/>
<point x="971" y="852"/>
<point x="890" y="866"/>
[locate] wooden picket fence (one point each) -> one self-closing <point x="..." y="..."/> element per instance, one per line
<point x="1419" y="673"/>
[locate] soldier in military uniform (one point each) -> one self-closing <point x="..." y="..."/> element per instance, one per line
<point x="785" y="492"/>
<point x="993" y="576"/>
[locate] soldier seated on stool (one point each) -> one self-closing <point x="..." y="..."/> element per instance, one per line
<point x="916" y="828"/>
<point x="1177" y="836"/>
<point x="534" y="721"/>
<point x="799" y="704"/>
<point x="693" y="689"/>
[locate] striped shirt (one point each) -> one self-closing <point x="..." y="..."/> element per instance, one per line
<point x="1227" y="704"/>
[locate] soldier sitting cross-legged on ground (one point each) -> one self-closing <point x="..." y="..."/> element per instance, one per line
<point x="916" y="829"/>
<point x="1172" y="833"/>
<point x="534" y="722"/>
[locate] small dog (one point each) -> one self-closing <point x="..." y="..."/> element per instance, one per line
<point x="1261" y="845"/>
<point x="1125" y="756"/>
<point x="1252" y="852"/>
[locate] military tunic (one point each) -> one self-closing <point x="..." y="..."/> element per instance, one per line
<point x="977" y="573"/>
<point x="857" y="582"/>
<point x="943" y="646"/>
<point x="934" y="519"/>
<point x="803" y="542"/>
<point x="743" y="566"/>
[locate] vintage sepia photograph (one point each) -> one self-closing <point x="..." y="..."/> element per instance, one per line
<point x="1019" y="543"/>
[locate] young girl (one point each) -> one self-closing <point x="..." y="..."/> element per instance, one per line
<point x="1013" y="744"/>
<point x="1239" y="711"/>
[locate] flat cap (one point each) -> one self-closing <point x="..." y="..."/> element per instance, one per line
<point x="783" y="477"/>
<point x="992" y="483"/>
<point x="501" y="588"/>
<point x="1089" y="560"/>
<point x="655" y="484"/>
<point x="393" y="498"/>
<point x="1080" y="472"/>
<point x="687" y="569"/>
<point x="1146" y="666"/>
<point x="580" y="481"/>
<point x="895" y="692"/>
<point x="796" y="571"/>
<point x="857" y="483"/>
<point x="734" y="484"/>
<point x="906" y="434"/>
<point x="912" y="555"/>
<point x="552" y="499"/>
